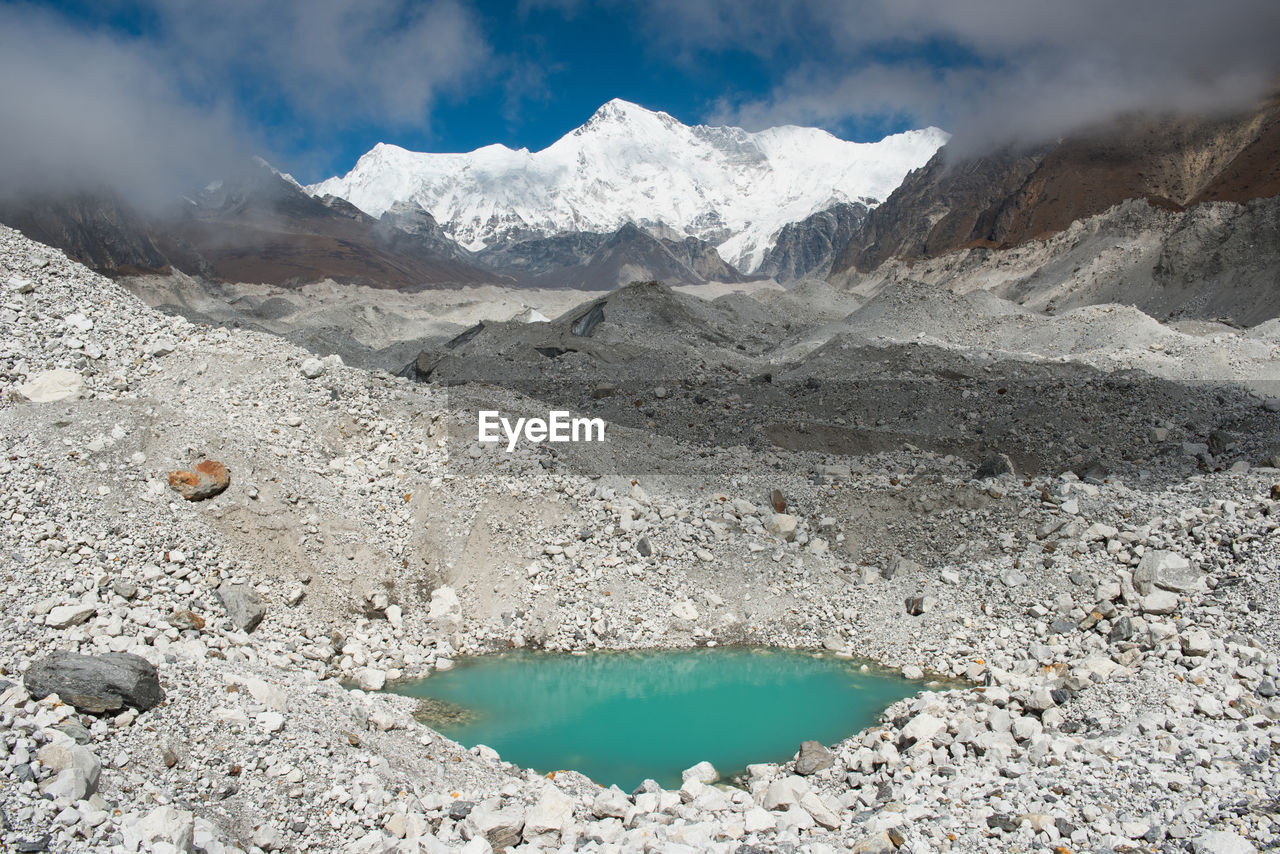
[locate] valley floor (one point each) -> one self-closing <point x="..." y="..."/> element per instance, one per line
<point x="1113" y="611"/>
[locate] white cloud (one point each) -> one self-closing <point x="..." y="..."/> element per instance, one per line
<point x="81" y="111"/>
<point x="1028" y="69"/>
<point x="85" y="108"/>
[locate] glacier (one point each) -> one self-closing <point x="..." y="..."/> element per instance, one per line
<point x="728" y="186"/>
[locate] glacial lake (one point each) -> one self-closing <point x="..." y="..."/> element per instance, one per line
<point x="620" y="717"/>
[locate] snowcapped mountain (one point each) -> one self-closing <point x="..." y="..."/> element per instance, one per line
<point x="724" y="185"/>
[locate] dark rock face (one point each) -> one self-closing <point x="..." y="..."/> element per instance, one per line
<point x="544" y="254"/>
<point x="1011" y="196"/>
<point x="244" y="606"/>
<point x="937" y="208"/>
<point x="703" y="259"/>
<point x="98" y="230"/>
<point x="601" y="261"/>
<point x="96" y="683"/>
<point x="408" y="227"/>
<point x="809" y="247"/>
<point x="632" y="253"/>
<point x="254" y="226"/>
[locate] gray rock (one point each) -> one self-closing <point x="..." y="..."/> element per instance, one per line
<point x="1166" y="570"/>
<point x="899" y="565"/>
<point x="644" y="548"/>
<point x="1013" y="578"/>
<point x="1196" y="643"/>
<point x="995" y="466"/>
<point x="917" y="605"/>
<point x="1222" y="842"/>
<point x="813" y="758"/>
<point x="96" y="683"/>
<point x="1220" y="441"/>
<point x="243" y="604"/>
<point x="1160" y="602"/>
<point x="1122" y="630"/>
<point x="500" y="827"/>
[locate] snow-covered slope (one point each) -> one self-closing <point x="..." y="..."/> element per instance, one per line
<point x="724" y="185"/>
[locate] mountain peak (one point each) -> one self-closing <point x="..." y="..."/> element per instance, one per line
<point x="727" y="186"/>
<point x="618" y="111"/>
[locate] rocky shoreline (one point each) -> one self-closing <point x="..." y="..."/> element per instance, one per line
<point x="1118" y="628"/>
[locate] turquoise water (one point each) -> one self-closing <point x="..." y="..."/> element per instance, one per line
<point x="620" y="717"/>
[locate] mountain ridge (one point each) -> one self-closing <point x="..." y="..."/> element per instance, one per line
<point x="730" y="187"/>
<point x="1012" y="196"/>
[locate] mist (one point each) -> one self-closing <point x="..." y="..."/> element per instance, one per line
<point x="150" y="117"/>
<point x="84" y="112"/>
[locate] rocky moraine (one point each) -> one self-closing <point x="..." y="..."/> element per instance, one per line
<point x="203" y="675"/>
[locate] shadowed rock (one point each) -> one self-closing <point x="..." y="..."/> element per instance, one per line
<point x="96" y="683"/>
<point x="813" y="758"/>
<point x="994" y="466"/>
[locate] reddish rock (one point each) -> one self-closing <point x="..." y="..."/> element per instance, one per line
<point x="210" y="478"/>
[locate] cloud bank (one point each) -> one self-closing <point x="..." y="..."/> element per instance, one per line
<point x="87" y="107"/>
<point x="990" y="71"/>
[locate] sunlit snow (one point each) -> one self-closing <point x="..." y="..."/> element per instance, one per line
<point x="725" y="185"/>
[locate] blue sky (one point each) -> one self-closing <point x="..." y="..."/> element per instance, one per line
<point x="536" y="71"/>
<point x="123" y="91"/>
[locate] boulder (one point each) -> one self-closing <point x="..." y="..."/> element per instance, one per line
<point x="813" y="758"/>
<point x="1220" y="441"/>
<point x="1159" y="602"/>
<point x="1196" y="643"/>
<point x="995" y="466"/>
<point x="62" y="758"/>
<point x="878" y="843"/>
<point x="445" y="610"/>
<point x="52" y="387"/>
<point x="96" y="683"/>
<point x="783" y="526"/>
<point x="703" y="772"/>
<point x="243" y="605"/>
<point x="1168" y="571"/>
<point x="917" y="605"/>
<point x="785" y="793"/>
<point x="371" y="678"/>
<point x="757" y="820"/>
<point x="820" y="811"/>
<point x="65" y="616"/>
<point x="1222" y="842"/>
<point x="922" y="728"/>
<point x="500" y="827"/>
<point x="611" y="803"/>
<point x="684" y="611"/>
<point x="163" y="824"/>
<point x="186" y="620"/>
<point x="210" y="478"/>
<point x="548" y="817"/>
